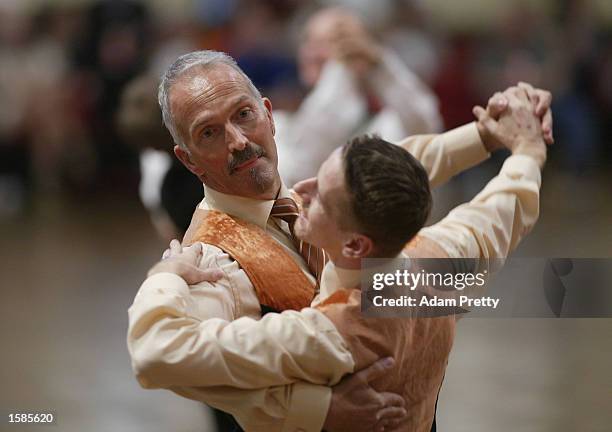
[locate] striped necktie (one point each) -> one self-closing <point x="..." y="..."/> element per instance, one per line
<point x="286" y="209"/>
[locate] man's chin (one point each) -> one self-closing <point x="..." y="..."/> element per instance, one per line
<point x="262" y="177"/>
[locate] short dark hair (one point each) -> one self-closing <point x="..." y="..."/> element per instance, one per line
<point x="388" y="190"/>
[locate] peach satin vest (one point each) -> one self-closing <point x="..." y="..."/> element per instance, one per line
<point x="420" y="347"/>
<point x="279" y="282"/>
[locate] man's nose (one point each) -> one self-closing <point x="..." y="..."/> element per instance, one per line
<point x="304" y="186"/>
<point x="304" y="189"/>
<point x="235" y="139"/>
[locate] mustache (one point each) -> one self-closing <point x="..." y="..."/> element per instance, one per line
<point x="238" y="158"/>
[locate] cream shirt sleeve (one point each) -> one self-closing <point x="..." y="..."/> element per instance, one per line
<point x="447" y="154"/>
<point x="403" y="91"/>
<point x="494" y="222"/>
<point x="244" y="353"/>
<point x="271" y="409"/>
<point x="285" y="408"/>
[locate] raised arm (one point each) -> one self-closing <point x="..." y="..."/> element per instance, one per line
<point x="447" y="154"/>
<point x="494" y="222"/>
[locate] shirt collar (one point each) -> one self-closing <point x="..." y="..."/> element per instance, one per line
<point x="335" y="278"/>
<point x="252" y="210"/>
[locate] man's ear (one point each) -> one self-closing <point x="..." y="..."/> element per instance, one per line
<point x="185" y="158"/>
<point x="357" y="246"/>
<point x="268" y="107"/>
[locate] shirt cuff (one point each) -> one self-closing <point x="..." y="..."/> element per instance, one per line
<point x="466" y="146"/>
<point x="164" y="283"/>
<point x="522" y="166"/>
<point x="308" y="410"/>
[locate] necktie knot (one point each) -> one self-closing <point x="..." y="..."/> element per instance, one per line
<point x="285" y="209"/>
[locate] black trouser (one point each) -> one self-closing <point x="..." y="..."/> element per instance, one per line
<point x="226" y="423"/>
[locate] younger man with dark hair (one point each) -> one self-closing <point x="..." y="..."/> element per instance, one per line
<point x="368" y="200"/>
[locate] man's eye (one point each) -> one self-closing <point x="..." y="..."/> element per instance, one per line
<point x="208" y="133"/>
<point x="246" y="113"/>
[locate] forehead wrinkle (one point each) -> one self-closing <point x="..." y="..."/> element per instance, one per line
<point x="210" y="94"/>
<point x="195" y="95"/>
<point x="207" y="115"/>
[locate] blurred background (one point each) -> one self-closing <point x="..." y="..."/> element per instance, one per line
<point x="81" y="221"/>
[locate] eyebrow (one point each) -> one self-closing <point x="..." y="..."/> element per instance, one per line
<point x="206" y="118"/>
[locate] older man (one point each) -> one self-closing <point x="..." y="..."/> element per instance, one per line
<point x="224" y="134"/>
<point x="354" y="209"/>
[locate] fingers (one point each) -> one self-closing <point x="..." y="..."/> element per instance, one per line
<point x="497" y="104"/>
<point x="190" y="255"/>
<point x="547" y="127"/>
<point x="211" y="275"/>
<point x="376" y="369"/>
<point x="175" y="247"/>
<point x="348" y="25"/>
<point x="389" y="417"/>
<point x="542" y="98"/>
<point x="544" y="102"/>
<point x="479" y="112"/>
<point x="389" y="413"/>
<point x="194" y="275"/>
<point x="392" y="400"/>
<point x="531" y="92"/>
<point x="484" y="118"/>
<point x="390" y="423"/>
<point x="526" y="86"/>
<point x="354" y="49"/>
<point x="517" y="95"/>
<point x="193" y="253"/>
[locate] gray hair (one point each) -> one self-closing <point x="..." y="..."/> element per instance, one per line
<point x="205" y="59"/>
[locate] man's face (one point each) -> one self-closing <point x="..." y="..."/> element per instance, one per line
<point x="319" y="41"/>
<point x="315" y="49"/>
<point x="228" y="131"/>
<point x="324" y="201"/>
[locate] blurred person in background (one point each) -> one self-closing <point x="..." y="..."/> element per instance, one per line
<point x="167" y="189"/>
<point x="15" y="94"/>
<point x="112" y="50"/>
<point x="38" y="129"/>
<point x="357" y="86"/>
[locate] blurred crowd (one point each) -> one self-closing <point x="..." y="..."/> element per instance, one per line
<point x="78" y="78"/>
